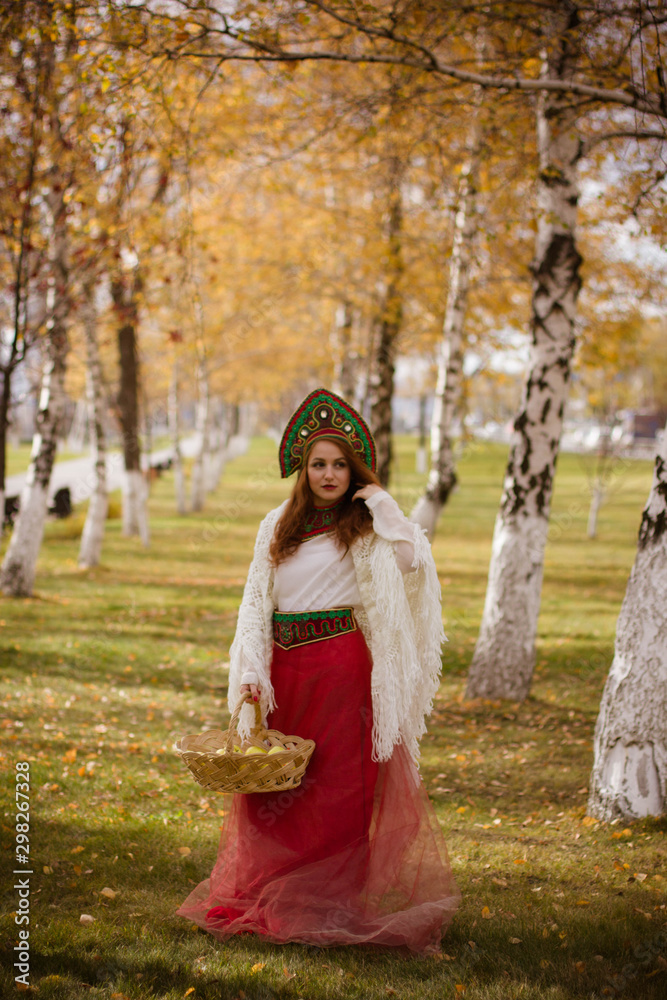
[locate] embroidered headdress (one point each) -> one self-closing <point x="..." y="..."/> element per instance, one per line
<point x="324" y="414"/>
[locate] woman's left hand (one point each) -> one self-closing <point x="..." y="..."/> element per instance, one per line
<point x="367" y="491"/>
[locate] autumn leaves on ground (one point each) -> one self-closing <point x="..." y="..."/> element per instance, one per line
<point x="104" y="667"/>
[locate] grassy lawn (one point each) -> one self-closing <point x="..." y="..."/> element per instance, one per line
<point x="102" y="668"/>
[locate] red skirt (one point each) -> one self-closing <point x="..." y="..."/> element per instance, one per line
<point x="355" y="855"/>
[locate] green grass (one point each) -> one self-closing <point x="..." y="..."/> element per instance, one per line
<point x="18" y="457"/>
<point x="102" y="668"/>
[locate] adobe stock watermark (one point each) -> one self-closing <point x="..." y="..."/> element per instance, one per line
<point x="22" y="871"/>
<point x="231" y="511"/>
<point x="643" y="954"/>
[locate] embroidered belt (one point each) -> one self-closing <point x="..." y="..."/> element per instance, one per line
<point x="299" y="628"/>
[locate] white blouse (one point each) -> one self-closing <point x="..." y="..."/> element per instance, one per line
<point x="318" y="575"/>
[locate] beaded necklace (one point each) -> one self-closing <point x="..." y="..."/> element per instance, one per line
<point x="320" y="520"/>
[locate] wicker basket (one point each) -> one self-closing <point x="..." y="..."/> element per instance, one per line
<point x="216" y="765"/>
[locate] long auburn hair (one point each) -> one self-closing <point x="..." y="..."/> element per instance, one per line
<point x="354" y="518"/>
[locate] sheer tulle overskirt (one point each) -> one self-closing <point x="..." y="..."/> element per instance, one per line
<point x="355" y="854"/>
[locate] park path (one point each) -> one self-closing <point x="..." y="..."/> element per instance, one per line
<point x="79" y="473"/>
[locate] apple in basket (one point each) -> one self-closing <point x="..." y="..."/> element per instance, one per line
<point x="253" y="750"/>
<point x="235" y="749"/>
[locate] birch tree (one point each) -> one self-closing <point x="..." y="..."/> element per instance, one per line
<point x="442" y="476"/>
<point x="203" y="427"/>
<point x="629" y="776"/>
<point x="17" y="576"/>
<point x="173" y="413"/>
<point x="504" y="658"/>
<point x="26" y="71"/>
<point x="93" y="530"/>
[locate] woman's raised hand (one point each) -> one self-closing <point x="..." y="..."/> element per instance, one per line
<point x="367" y="491"/>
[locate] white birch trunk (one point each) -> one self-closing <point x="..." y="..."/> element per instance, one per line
<point x="344" y="356"/>
<point x="603" y="466"/>
<point x="17" y="576"/>
<point x="175" y="429"/>
<point x="134" y="493"/>
<point x="203" y="426"/>
<point x="442" y="475"/>
<point x="221" y="455"/>
<point x="93" y="530"/>
<point x="629" y="776"/>
<point x="597" y="497"/>
<point x="217" y="449"/>
<point x="504" y="658"/>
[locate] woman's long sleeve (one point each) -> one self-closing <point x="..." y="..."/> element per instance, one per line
<point x="390" y="522"/>
<point x="253" y="641"/>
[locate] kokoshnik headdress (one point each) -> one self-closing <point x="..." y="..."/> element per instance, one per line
<point x="324" y="414"/>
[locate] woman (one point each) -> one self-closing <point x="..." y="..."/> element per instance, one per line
<point x="338" y="637"/>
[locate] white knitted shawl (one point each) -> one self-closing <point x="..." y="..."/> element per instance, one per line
<point x="401" y="620"/>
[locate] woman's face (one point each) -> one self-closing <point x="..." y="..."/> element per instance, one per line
<point x="328" y="473"/>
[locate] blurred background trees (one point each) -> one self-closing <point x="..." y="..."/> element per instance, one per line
<point x="204" y="214"/>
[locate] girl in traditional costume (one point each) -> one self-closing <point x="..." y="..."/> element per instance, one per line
<point x="339" y="635"/>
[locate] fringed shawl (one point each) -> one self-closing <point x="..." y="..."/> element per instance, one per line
<point x="401" y="620"/>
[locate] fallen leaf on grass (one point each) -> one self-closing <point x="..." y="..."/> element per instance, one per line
<point x="86" y="918"/>
<point x="184" y="851"/>
<point x="189" y="991"/>
<point x="77" y="849"/>
<point x="288" y="974"/>
<point x="257" y="967"/>
<point x="580" y="966"/>
<point x="583" y="902"/>
<point x="515" y="940"/>
<point x="501" y="882"/>
<point x="640" y="876"/>
<point x="109" y="893"/>
<point x="519" y="861"/>
<point x="486" y="913"/>
<point x="460" y="988"/>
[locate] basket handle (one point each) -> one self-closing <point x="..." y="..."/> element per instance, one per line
<point x="233" y="722"/>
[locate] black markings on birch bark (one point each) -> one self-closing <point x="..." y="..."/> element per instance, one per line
<point x="442" y="476"/>
<point x="17" y="576"/>
<point x="629" y="775"/>
<point x="504" y="658"/>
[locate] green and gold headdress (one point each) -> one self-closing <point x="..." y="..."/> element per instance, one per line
<point x="324" y="414"/>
